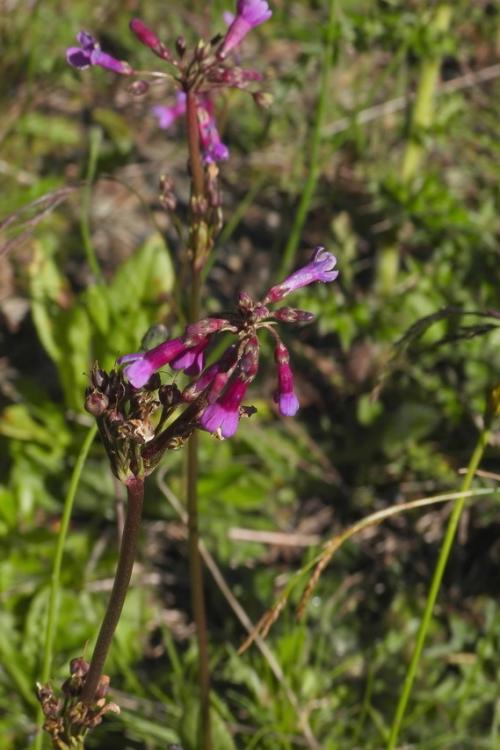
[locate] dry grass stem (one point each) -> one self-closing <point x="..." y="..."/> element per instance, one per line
<point x="372" y="520"/>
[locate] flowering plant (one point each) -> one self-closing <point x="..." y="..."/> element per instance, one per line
<point x="139" y="417"/>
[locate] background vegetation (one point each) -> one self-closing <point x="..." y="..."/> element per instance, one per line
<point x="338" y="160"/>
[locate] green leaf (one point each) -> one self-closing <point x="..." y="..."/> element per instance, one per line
<point x="144" y="277"/>
<point x="221" y="737"/>
<point x="17" y="423"/>
<point x="95" y="300"/>
<point x="60" y="130"/>
<point x="74" y="333"/>
<point x="47" y="286"/>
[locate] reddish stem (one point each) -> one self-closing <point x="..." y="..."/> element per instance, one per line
<point x="198" y="180"/>
<point x="128" y="548"/>
<point x="195" y="566"/>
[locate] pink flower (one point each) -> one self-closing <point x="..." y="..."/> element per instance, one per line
<point x="285" y="395"/>
<point x="144" y="364"/>
<point x="184" y="353"/>
<point x="168" y="115"/>
<point x="223" y="416"/>
<point x="89" y="53"/>
<point x="319" y="269"/>
<point x="192" y="361"/>
<point x="215" y="376"/>
<point x="249" y="13"/>
<point x="211" y="144"/>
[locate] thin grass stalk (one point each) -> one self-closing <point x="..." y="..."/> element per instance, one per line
<point x="55" y="581"/>
<point x="422" y="116"/>
<point x="195" y="565"/>
<point x="313" y="165"/>
<point x="319" y="562"/>
<point x="435" y="586"/>
<point x="94" y="147"/>
<point x="126" y="559"/>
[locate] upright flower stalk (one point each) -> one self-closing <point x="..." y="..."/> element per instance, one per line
<point x="138" y="416"/>
<point x="199" y="251"/>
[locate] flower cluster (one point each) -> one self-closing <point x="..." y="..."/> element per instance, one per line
<point x="203" y="72"/>
<point x="67" y="719"/>
<point x="219" y="388"/>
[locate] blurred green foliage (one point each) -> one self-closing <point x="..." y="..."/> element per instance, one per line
<point x="344" y="456"/>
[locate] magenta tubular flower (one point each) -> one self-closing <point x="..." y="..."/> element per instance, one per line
<point x="192" y="360"/>
<point x="319" y="269"/>
<point x="89" y="53"/>
<point x="168" y="115"/>
<point x="211" y="144"/>
<point x="285" y="395"/>
<point x="144" y="364"/>
<point x="215" y="376"/>
<point x="222" y="417"/>
<point x="249" y="14"/>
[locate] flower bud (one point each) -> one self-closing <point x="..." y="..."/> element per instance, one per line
<point x="102" y="687"/>
<point x="245" y="302"/>
<point x="292" y="315"/>
<point x="205" y="327"/>
<point x="144" y="34"/>
<point x="180" y="46"/>
<point x="78" y="666"/>
<point x="167" y="195"/>
<point x="96" y="402"/>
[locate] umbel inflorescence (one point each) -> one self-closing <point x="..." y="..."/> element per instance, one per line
<point x="203" y="71"/>
<point x="140" y="418"/>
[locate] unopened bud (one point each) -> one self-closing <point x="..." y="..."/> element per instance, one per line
<point x="167" y="196"/>
<point x="201" y="50"/>
<point x="96" y="402"/>
<point x="146" y="36"/>
<point x="102" y="687"/>
<point x="206" y="327"/>
<point x="261" y="312"/>
<point x="180" y="45"/>
<point x="245" y="302"/>
<point x="78" y="666"/>
<point x="249" y="363"/>
<point x="292" y="315"/>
